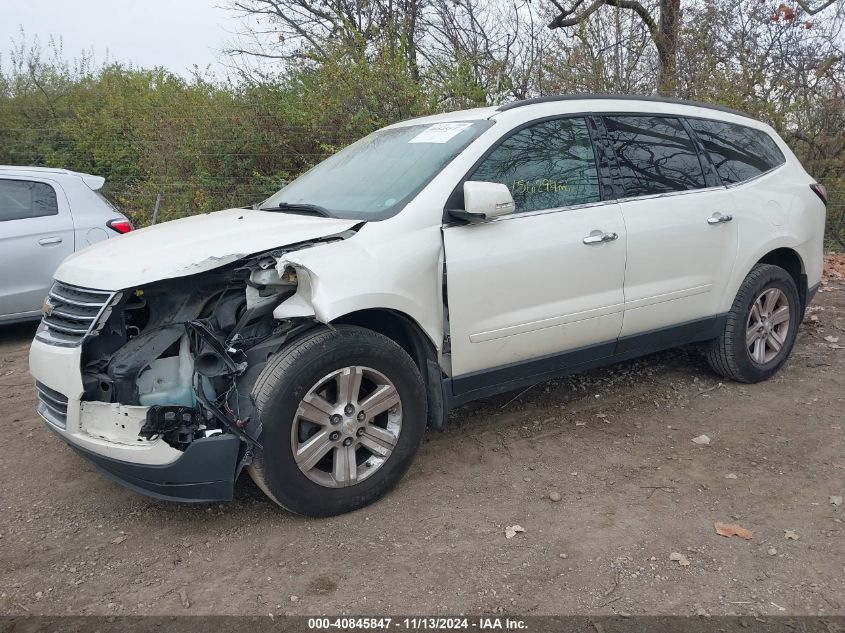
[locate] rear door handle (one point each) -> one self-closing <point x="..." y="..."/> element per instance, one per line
<point x="718" y="218"/>
<point x="46" y="241"/>
<point x="599" y="237"/>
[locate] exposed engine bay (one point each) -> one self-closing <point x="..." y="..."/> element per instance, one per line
<point x="191" y="348"/>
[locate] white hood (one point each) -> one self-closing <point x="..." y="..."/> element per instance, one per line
<point x="189" y="246"/>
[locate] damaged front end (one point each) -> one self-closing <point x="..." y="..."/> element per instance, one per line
<point x="174" y="361"/>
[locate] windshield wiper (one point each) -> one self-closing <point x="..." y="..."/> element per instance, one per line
<point x="299" y="207"/>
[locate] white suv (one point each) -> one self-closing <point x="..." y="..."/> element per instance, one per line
<point x="313" y="338"/>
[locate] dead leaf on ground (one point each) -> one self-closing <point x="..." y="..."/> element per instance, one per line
<point x="701" y="440"/>
<point x="512" y="530"/>
<point x="792" y="536"/>
<point x="732" y="529"/>
<point x="683" y="561"/>
<point x="831" y="339"/>
<point x="834" y="266"/>
<point x="730" y="476"/>
<point x="120" y="539"/>
<point x="835" y="500"/>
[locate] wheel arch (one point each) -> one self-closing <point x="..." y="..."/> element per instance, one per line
<point x="790" y="260"/>
<point x="410" y="336"/>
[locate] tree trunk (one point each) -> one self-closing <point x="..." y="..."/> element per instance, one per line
<point x="667" y="47"/>
<point x="411" y="13"/>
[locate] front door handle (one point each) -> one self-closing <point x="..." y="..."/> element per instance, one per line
<point x="599" y="237"/>
<point x="46" y="241"/>
<point x="718" y="218"/>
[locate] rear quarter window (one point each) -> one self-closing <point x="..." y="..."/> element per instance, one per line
<point x="22" y="199"/>
<point x="738" y="153"/>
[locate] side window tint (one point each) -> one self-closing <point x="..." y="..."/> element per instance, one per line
<point x="546" y="166"/>
<point x="655" y="155"/>
<point x="739" y="153"/>
<point x="20" y="199"/>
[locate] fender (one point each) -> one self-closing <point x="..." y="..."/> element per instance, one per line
<point x="790" y="216"/>
<point x="339" y="278"/>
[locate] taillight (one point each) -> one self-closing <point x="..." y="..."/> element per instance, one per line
<point x="121" y="226"/>
<point x="820" y="191"/>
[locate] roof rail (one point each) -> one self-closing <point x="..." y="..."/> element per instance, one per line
<point x="605" y="95"/>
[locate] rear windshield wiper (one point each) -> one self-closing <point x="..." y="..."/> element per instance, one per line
<point x="299" y="207"/>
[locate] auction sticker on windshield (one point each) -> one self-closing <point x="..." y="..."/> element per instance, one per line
<point x="440" y="133"/>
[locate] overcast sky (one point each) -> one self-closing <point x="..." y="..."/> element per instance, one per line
<point x="175" y="34"/>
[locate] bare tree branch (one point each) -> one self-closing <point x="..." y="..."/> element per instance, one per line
<point x="571" y="17"/>
<point x="813" y="11"/>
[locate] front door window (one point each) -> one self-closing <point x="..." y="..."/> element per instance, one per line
<point x="546" y="165"/>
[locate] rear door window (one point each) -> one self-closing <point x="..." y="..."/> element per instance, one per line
<point x="655" y="155"/>
<point x="739" y="153"/>
<point x="21" y="199"/>
<point x="547" y="165"/>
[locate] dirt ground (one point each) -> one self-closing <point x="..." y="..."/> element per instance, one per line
<point x="616" y="444"/>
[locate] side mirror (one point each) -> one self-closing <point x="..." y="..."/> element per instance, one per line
<point x="484" y="201"/>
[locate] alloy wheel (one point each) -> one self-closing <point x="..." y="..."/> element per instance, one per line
<point x="346" y="426"/>
<point x="767" y="326"/>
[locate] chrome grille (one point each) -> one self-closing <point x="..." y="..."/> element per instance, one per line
<point x="71" y="313"/>
<point x="52" y="406"/>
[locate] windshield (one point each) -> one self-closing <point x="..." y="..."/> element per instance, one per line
<point x="374" y="177"/>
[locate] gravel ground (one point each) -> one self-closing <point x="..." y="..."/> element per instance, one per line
<point x="614" y="444"/>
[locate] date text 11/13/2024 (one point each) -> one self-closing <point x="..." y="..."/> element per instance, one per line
<point x="417" y="623"/>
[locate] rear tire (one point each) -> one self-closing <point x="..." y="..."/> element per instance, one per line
<point x="343" y="412"/>
<point x="760" y="329"/>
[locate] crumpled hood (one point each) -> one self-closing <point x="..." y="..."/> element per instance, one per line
<point x="189" y="246"/>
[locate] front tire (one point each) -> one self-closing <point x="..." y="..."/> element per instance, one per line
<point x="343" y="412"/>
<point x="760" y="329"/>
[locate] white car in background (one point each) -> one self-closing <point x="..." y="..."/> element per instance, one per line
<point x="436" y="261"/>
<point x="45" y="215"/>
